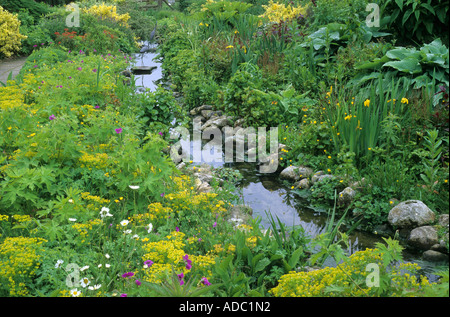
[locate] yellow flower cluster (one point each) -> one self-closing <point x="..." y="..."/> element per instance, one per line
<point x="11" y="97"/>
<point x="96" y="199"/>
<point x="164" y="254"/>
<point x="83" y="110"/>
<point x="184" y="200"/>
<point x="22" y="218"/>
<point x="203" y="263"/>
<point x="158" y="211"/>
<point x="97" y="160"/>
<point x="314" y="283"/>
<point x="276" y="12"/>
<point x="4" y="218"/>
<point x="18" y="261"/>
<point x="220" y="250"/>
<point x="84" y="228"/>
<point x="10" y="37"/>
<point x="108" y="12"/>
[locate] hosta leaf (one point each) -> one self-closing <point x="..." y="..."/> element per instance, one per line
<point x="408" y="65"/>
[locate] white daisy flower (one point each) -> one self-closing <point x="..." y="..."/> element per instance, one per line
<point x="105" y="212"/>
<point x="58" y="264"/>
<point x="133" y="187"/>
<point x="97" y="286"/>
<point x="124" y="223"/>
<point x="75" y="292"/>
<point x="85" y="282"/>
<point x="150" y="228"/>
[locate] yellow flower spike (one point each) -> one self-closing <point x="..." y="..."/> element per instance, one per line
<point x="405" y="100"/>
<point x="367" y="103"/>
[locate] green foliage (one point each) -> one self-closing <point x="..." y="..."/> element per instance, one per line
<point x="158" y="106"/>
<point x="427" y="66"/>
<point x="327" y="11"/>
<point x="433" y="145"/>
<point x="35" y="9"/>
<point x="416" y="21"/>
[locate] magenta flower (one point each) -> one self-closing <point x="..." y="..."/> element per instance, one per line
<point x="118" y="130"/>
<point x="177" y="229"/>
<point x="35" y="45"/>
<point x="97" y="106"/>
<point x="160" y="133"/>
<point x="51" y="117"/>
<point x="79" y="68"/>
<point x="180" y="278"/>
<point x="123" y="295"/>
<point x="149" y="263"/>
<point x="215" y="224"/>
<point x="188" y="262"/>
<point x="35" y="66"/>
<point x="128" y="274"/>
<point x="138" y="283"/>
<point x="94" y="70"/>
<point x="205" y="281"/>
<point x="162" y="194"/>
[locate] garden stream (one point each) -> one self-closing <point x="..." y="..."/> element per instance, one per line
<point x="266" y="192"/>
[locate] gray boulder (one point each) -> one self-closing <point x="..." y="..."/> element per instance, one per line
<point x="319" y="176"/>
<point x="296" y="173"/>
<point x="410" y="214"/>
<point x="434" y="256"/>
<point x="423" y="237"/>
<point x="346" y="196"/>
<point x="443" y="220"/>
<point x="303" y="184"/>
<point x="220" y="122"/>
<point x="197" y="110"/>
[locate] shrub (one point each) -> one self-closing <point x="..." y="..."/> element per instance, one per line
<point x="104" y="12"/>
<point x="37" y="10"/>
<point x="417" y="21"/>
<point x="275" y="12"/>
<point x="352" y="278"/>
<point x="10" y="37"/>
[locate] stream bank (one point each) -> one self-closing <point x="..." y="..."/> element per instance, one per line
<point x="264" y="192"/>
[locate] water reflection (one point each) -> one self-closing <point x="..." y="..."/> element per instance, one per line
<point x="148" y="59"/>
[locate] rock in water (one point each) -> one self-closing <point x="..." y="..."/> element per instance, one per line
<point x="410" y="214"/>
<point x="423" y="237"/>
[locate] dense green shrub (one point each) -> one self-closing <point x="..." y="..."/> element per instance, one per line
<point x="415" y="22"/>
<point x="35" y="9"/>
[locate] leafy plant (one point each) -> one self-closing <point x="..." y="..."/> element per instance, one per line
<point x="433" y="144"/>
<point x="421" y="20"/>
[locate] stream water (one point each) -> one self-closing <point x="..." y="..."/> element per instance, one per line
<point x="266" y="192"/>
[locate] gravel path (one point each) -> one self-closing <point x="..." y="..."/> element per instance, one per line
<point x="13" y="65"/>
